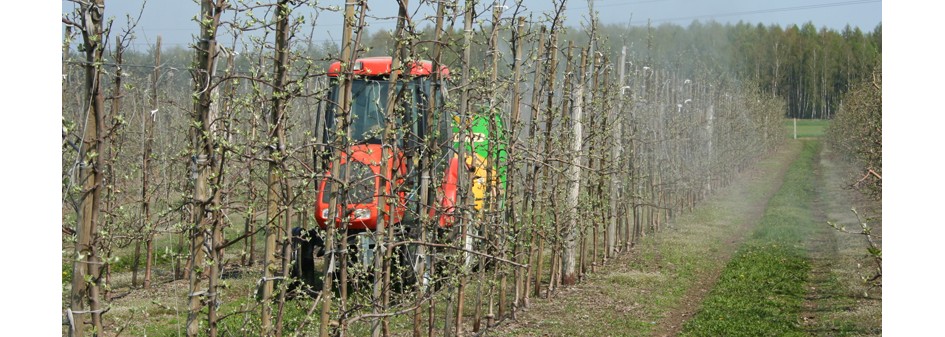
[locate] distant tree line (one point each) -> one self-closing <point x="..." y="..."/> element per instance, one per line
<point x="810" y="68"/>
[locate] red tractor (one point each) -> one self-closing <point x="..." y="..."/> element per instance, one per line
<point x="364" y="175"/>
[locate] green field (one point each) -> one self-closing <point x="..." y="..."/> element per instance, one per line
<point x="806" y="128"/>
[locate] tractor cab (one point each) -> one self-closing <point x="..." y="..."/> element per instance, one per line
<point x="361" y="162"/>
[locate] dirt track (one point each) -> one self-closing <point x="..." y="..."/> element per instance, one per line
<point x="661" y="284"/>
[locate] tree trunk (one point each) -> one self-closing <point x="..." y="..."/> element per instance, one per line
<point x="146" y="167"/>
<point x="84" y="301"/>
<point x="427" y="192"/>
<point x="568" y="263"/>
<point x="275" y="211"/>
<point x="387" y="197"/>
<point x="551" y="234"/>
<point x="531" y="198"/>
<point x="341" y="120"/>
<point x="205" y="233"/>
<point x="510" y="189"/>
<point x="462" y="181"/>
<point x="615" y="155"/>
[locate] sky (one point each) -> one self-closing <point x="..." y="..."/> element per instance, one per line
<point x="172" y="19"/>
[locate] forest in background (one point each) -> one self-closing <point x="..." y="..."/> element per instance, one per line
<point x="810" y="68"/>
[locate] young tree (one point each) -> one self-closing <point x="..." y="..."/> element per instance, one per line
<point x="206" y="233"/>
<point x="275" y="212"/>
<point x="615" y="156"/>
<point x="568" y="265"/>
<point x="86" y="308"/>
<point x="146" y="167"/>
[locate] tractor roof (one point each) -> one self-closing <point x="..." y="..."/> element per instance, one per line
<point x="380" y="65"/>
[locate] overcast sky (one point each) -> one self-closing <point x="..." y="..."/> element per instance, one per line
<point x="172" y="19"/>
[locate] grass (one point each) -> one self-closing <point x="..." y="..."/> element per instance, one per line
<point x="162" y="310"/>
<point x="806" y="128"/>
<point x="762" y="290"/>
<point x="166" y="252"/>
<point x="634" y="293"/>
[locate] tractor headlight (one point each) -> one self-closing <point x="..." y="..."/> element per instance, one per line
<point x="325" y="213"/>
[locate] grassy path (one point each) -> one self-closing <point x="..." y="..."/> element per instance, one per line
<point x="660" y="285"/>
<point x="796" y="276"/>
<point x="763" y="290"/>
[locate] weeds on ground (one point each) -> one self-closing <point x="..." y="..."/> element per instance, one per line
<point x="761" y="291"/>
<point x="875" y="278"/>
